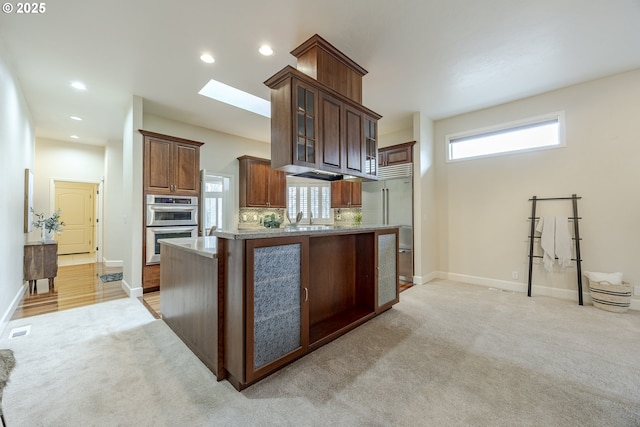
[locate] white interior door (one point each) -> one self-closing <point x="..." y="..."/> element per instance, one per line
<point x="77" y="210"/>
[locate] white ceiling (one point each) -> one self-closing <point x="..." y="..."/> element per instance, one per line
<point x="441" y="58"/>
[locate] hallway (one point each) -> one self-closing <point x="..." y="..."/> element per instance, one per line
<point x="77" y="284"/>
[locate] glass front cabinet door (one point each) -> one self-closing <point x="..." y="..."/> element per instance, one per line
<point x="276" y="304"/>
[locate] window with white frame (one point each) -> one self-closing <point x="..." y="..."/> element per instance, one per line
<point x="312" y="198"/>
<point x="523" y="135"/>
<point x="213" y="193"/>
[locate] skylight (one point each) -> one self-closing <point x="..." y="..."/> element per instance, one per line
<point x="232" y="96"/>
<point x="78" y="85"/>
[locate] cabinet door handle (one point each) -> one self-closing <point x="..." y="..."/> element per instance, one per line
<point x="306" y="294"/>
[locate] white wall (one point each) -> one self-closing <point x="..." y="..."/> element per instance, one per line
<point x="114" y="196"/>
<point x="483" y="203"/>
<point x="425" y="201"/>
<point x="131" y="208"/>
<point x="64" y="161"/>
<point x="397" y="137"/>
<point x="17" y="145"/>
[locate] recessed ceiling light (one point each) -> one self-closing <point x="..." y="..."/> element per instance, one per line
<point x="266" y="50"/>
<point x="78" y="85"/>
<point x="232" y="96"/>
<point x="74" y="137"/>
<point x="205" y="57"/>
<point x="79" y="119"/>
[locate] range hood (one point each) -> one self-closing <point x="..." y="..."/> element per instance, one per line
<point x="323" y="175"/>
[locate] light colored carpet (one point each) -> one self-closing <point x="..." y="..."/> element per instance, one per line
<point x="448" y="354"/>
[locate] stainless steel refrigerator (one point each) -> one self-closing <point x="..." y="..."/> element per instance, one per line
<point x="390" y="201"/>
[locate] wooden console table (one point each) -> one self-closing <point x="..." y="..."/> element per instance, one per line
<point x="40" y="262"/>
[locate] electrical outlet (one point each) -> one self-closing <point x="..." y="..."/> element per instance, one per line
<point x="514" y="274"/>
<point x="338" y="217"/>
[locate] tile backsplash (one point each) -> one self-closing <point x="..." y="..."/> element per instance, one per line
<point x="252" y="217"/>
<point x="345" y="216"/>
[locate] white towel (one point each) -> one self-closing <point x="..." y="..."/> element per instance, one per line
<point x="613" y="278"/>
<point x="563" y="241"/>
<point x="547" y="229"/>
<point x="555" y="241"/>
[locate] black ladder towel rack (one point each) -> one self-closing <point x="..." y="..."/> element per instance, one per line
<point x="576" y="238"/>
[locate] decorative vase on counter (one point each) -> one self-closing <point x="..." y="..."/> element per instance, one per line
<point x="48" y="226"/>
<point x="47" y="236"/>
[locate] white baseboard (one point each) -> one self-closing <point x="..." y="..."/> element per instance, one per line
<point x="421" y="280"/>
<point x="565" y="294"/>
<point x="132" y="292"/>
<point x="7" y="315"/>
<point x="112" y="263"/>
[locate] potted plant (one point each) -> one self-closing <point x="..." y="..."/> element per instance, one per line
<point x="271" y="221"/>
<point x="48" y="225"/>
<point x="357" y="219"/>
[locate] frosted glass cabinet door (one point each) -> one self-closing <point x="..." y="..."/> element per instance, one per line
<point x="387" y="270"/>
<point x="276" y="299"/>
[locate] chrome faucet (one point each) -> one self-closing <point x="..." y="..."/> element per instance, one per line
<point x="310" y="218"/>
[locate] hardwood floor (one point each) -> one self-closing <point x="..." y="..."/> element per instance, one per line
<point x="404" y="285"/>
<point x="151" y="300"/>
<point x="80" y="285"/>
<point x="75" y="286"/>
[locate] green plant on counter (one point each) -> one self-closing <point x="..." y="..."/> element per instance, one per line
<point x="271" y="221"/>
<point x="357" y="219"/>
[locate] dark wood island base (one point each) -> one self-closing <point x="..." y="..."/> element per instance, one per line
<point x="249" y="302"/>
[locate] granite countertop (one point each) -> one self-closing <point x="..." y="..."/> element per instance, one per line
<point x="301" y="230"/>
<point x="203" y="246"/>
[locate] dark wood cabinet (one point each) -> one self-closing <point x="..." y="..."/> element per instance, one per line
<point x="190" y="304"/>
<point x="315" y="127"/>
<point x="305" y="142"/>
<point x="370" y="147"/>
<point x="40" y="262"/>
<point x="330" y="133"/>
<point x="341" y="137"/>
<point x="387" y="284"/>
<point x="341" y="285"/>
<point x="287" y="296"/>
<point x="277" y="273"/>
<point x="260" y="185"/>
<point x="171" y="165"/>
<point x="353" y="141"/>
<point x="396" y="154"/>
<point x="346" y="194"/>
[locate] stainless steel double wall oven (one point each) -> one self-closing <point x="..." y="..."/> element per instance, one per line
<point x="168" y="217"/>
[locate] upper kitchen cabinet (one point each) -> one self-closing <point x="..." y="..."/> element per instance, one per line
<point x="260" y="185"/>
<point x="346" y="194"/>
<point x="370" y="147"/>
<point x="396" y="154"/>
<point x="317" y="119"/>
<point x="171" y="165"/>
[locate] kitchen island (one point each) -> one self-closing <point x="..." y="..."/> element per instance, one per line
<point x="248" y="302"/>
